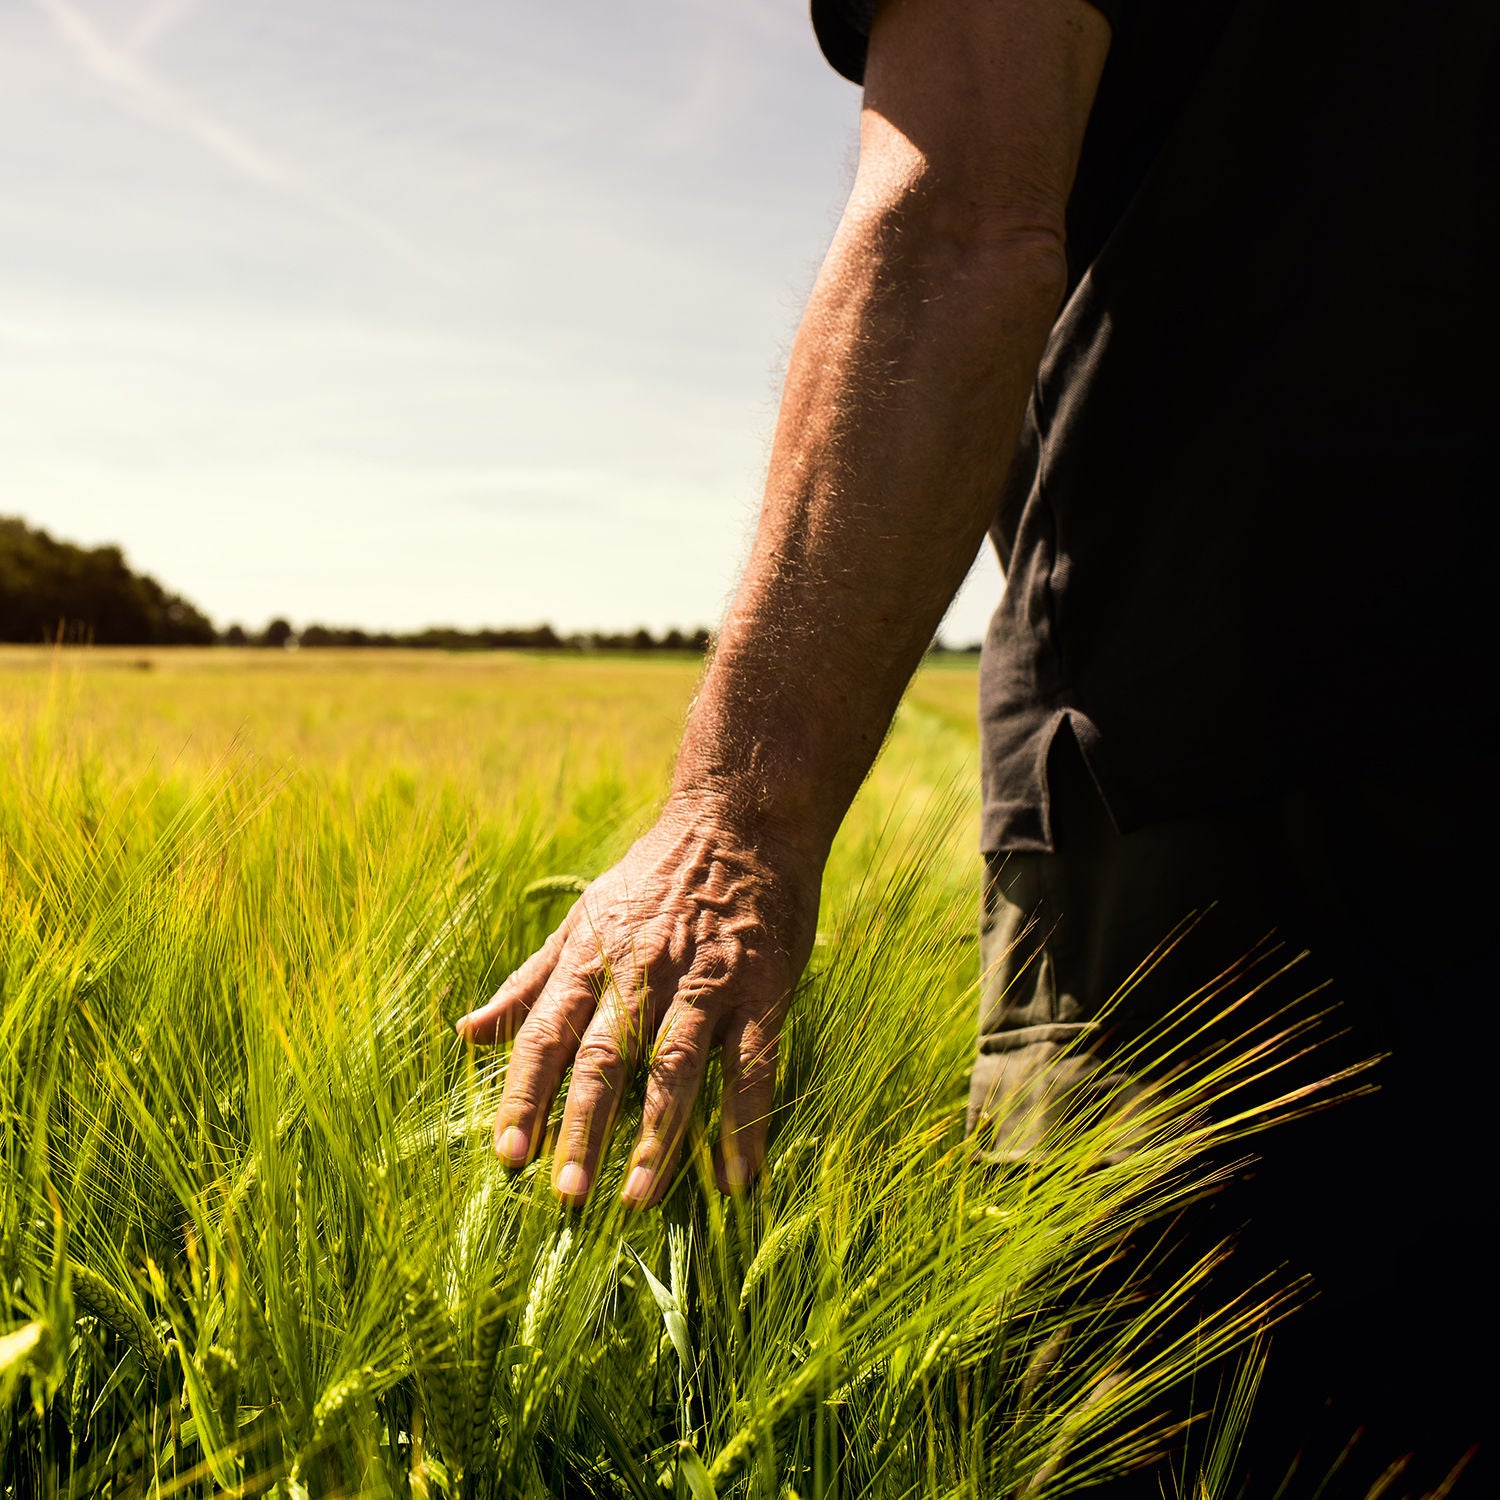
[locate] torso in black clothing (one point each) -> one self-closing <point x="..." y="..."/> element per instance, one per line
<point x="1242" y="538"/>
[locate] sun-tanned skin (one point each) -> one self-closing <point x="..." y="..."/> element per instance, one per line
<point x="903" y="401"/>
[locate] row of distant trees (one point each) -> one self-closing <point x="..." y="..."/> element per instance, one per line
<point x="52" y="590"/>
<point x="449" y="638"/>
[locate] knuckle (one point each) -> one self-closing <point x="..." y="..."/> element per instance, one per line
<point x="718" y="954"/>
<point x="705" y="986"/>
<point x="521" y="1098"/>
<point x="542" y="1035"/>
<point x="598" y="1055"/>
<point x="757" y="1065"/>
<point x="674" y="1065"/>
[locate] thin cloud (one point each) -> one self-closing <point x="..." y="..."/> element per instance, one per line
<point x="123" y="70"/>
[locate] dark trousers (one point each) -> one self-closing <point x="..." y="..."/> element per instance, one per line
<point x="1385" y="1201"/>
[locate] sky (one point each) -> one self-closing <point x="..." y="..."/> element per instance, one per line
<point x="405" y="312"/>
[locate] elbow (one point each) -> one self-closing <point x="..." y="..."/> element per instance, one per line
<point x="937" y="238"/>
<point x="1029" y="259"/>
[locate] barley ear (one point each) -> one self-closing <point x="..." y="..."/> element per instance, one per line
<point x="429" y="1331"/>
<point x="488" y="1328"/>
<point x="93" y="1294"/>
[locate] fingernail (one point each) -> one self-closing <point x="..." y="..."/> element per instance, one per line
<point x="637" y="1186"/>
<point x="459" y="1024"/>
<point x="513" y="1147"/>
<point x="572" y="1180"/>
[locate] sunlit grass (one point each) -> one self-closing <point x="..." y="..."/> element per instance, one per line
<point x="252" y="1231"/>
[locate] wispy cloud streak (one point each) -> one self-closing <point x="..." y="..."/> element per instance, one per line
<point x="123" y="70"/>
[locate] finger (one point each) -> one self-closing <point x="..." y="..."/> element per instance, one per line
<point x="500" y="1018"/>
<point x="544" y="1047"/>
<point x="678" y="1061"/>
<point x="677" y="1067"/>
<point x="748" y="1060"/>
<point x="615" y="1039"/>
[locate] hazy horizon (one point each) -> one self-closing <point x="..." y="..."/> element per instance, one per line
<point x="389" y="316"/>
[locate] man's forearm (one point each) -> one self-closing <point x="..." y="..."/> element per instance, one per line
<point x="904" y="397"/>
<point x="907" y="385"/>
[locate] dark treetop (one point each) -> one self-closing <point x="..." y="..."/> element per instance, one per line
<point x="51" y="589"/>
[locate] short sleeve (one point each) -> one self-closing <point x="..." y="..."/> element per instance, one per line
<point x="843" y="30"/>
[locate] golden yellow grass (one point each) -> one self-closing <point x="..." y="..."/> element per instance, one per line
<point x="492" y="727"/>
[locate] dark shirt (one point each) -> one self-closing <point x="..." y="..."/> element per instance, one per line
<point x="1242" y="534"/>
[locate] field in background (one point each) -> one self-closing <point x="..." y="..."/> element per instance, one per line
<point x="494" y="730"/>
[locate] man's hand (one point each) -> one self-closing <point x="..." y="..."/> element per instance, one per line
<point x="695" y="939"/>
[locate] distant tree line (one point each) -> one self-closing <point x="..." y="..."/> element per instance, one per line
<point x="52" y="590"/>
<point x="449" y="638"/>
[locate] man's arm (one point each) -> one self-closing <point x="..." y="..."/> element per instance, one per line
<point x="903" y="401"/>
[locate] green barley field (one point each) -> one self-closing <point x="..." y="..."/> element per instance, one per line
<point x="252" y="1235"/>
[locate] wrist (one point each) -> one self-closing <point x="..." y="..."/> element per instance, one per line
<point x="748" y="814"/>
<point x="779" y="738"/>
